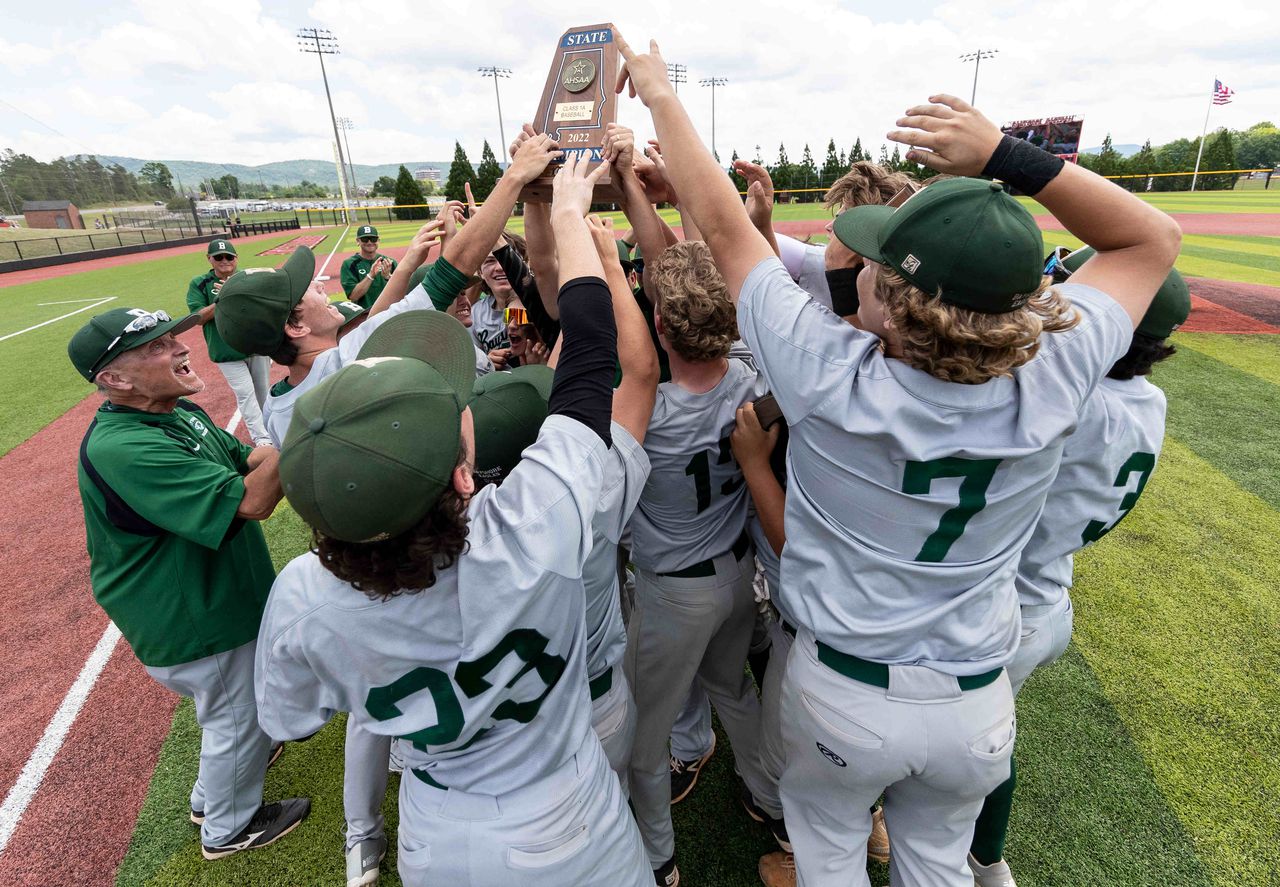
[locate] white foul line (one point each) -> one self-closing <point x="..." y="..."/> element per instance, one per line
<point x="63" y="317"/>
<point x="15" y="803"/>
<point x="337" y="244"/>
<point x="68" y="302"/>
<point x="33" y="772"/>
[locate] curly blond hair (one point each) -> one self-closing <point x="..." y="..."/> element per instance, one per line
<point x="956" y="344"/>
<point x="865" y="183"/>
<point x="698" y="318"/>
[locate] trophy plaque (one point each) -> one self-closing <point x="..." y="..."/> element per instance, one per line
<point x="577" y="104"/>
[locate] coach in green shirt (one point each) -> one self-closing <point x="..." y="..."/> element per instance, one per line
<point x="247" y="375"/>
<point x="177" y="558"/>
<point x="367" y="272"/>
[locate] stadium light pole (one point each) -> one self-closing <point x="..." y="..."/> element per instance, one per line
<point x="676" y="74"/>
<point x="345" y="124"/>
<point x="495" y="73"/>
<point x="713" y="82"/>
<point x="976" y="58"/>
<point x="321" y="42"/>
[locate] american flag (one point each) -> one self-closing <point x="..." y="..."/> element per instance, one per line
<point x="1222" y="93"/>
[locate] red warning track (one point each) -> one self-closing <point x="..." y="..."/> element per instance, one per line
<point x="78" y="826"/>
<point x="308" y="240"/>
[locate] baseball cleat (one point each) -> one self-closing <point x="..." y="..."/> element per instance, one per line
<point x="776" y="827"/>
<point x="778" y="869"/>
<point x="667" y="875"/>
<point x="684" y="774"/>
<point x="995" y="875"/>
<point x="363" y="860"/>
<point x="271" y="823"/>
<point x="878" y="842"/>
<point x="197" y="816"/>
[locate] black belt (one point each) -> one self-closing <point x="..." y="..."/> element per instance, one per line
<point x="601" y="684"/>
<point x="703" y="569"/>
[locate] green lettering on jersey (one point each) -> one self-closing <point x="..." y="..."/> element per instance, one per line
<point x="918" y="477"/>
<point x="1144" y="464"/>
<point x="699" y="468"/>
<point x="381" y="704"/>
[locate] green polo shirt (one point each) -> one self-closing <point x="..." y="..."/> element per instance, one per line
<point x="180" y="575"/>
<point x="200" y="295"/>
<point x="354" y="270"/>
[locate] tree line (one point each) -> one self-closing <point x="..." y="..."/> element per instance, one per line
<point x="1257" y="147"/>
<point x="84" y="180"/>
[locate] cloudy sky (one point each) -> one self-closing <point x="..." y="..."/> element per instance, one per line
<point x="224" y="81"/>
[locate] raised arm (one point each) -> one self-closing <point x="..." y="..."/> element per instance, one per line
<point x="634" y="396"/>
<point x="759" y="199"/>
<point x="398" y="286"/>
<point x="467" y="250"/>
<point x="647" y="227"/>
<point x="709" y="194"/>
<point x="752" y="446"/>
<point x="262" y="491"/>
<point x="1136" y="243"/>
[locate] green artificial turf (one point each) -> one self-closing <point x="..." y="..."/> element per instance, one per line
<point x="1257" y="355"/>
<point x="1219" y="256"/>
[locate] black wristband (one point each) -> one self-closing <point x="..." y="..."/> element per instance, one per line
<point x="1022" y="165"/>
<point x="842" y="283"/>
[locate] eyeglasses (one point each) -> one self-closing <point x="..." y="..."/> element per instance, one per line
<point x="139" y="324"/>
<point x="516" y="315"/>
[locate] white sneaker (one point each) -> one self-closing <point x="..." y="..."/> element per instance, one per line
<point x="363" y="860"/>
<point x="995" y="875"/>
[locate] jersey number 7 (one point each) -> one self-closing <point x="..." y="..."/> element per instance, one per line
<point x="918" y="477"/>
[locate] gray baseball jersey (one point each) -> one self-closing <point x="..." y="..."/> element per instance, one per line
<point x="694" y="505"/>
<point x="484" y="672"/>
<point x="909" y="499"/>
<point x="277" y="410"/>
<point x="487" y="326"/>
<point x="807" y="265"/>
<point x="1105" y="466"/>
<point x="625" y="472"/>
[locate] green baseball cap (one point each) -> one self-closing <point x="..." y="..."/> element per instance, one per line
<point x="350" y="311"/>
<point x="1167" y="311"/>
<point x="366" y="231"/>
<point x="254" y="304"/>
<point x="964" y="239"/>
<point x="370" y="449"/>
<point x="508" y="409"/>
<point x="112" y="333"/>
<point x="415" y="279"/>
<point x="222" y="247"/>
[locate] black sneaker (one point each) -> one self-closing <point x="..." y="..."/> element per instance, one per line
<point x="271" y="823"/>
<point x="197" y="816"/>
<point x="668" y="875"/>
<point x="776" y="827"/>
<point x="684" y="774"/>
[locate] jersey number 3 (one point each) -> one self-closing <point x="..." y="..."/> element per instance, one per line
<point x="1143" y="464"/>
<point x="918" y="477"/>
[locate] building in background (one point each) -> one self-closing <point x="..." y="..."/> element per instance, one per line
<point x="51" y="214"/>
<point x="427" y="174"/>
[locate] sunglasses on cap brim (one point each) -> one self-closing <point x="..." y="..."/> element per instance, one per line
<point x="1054" y="266"/>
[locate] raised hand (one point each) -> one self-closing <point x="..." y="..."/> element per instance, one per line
<point x="606" y="244"/>
<point x="949" y="135"/>
<point x="654" y="177"/>
<point x="532" y="157"/>
<point x="471" y="201"/>
<point x="450" y="218"/>
<point x="645" y="72"/>
<point x="526" y="132"/>
<point x="751" y="444"/>
<point x="759" y="192"/>
<point x="619" y="147"/>
<point x="572" y="187"/>
<point x="421" y="244"/>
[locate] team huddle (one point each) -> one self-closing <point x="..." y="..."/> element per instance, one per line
<point x="568" y="492"/>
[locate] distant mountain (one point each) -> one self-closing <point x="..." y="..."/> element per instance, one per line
<point x="283" y="172"/>
<point x="1122" y="150"/>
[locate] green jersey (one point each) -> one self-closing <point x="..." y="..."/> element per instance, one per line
<point x="201" y="293"/>
<point x="180" y="575"/>
<point x="355" y="269"/>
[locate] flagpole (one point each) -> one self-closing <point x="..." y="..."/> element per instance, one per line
<point x="1203" y="131"/>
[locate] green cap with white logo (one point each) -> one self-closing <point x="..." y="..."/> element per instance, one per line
<point x="366" y="231"/>
<point x="222" y="248"/>
<point x="254" y="304"/>
<point x="370" y="449"/>
<point x="1167" y="311"/>
<point x="964" y="240"/>
<point x="108" y="335"/>
<point x="508" y="409"/>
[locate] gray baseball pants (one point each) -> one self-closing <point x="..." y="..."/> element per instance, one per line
<point x="233" y="748"/>
<point x="934" y="749"/>
<point x="682" y="627"/>
<point x="249" y="382"/>
<point x="364" y="782"/>
<point x="613" y="719"/>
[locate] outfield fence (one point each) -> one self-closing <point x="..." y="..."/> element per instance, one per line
<point x="70" y="244"/>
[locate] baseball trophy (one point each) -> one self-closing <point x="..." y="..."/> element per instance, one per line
<point x="577" y="104"/>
